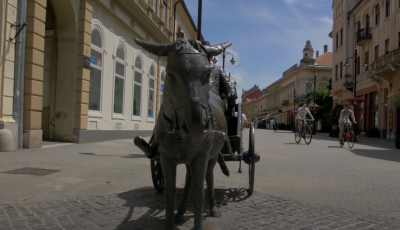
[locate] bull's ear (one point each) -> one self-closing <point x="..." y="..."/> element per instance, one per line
<point x="154" y="48"/>
<point x="217" y="49"/>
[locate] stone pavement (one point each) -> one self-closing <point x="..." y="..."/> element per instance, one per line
<point x="143" y="209"/>
<point x="295" y="184"/>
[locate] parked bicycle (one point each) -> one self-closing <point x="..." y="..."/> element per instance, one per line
<point x="306" y="133"/>
<point x="348" y="135"/>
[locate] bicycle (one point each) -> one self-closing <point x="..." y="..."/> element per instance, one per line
<point x="306" y="133"/>
<point x="348" y="135"/>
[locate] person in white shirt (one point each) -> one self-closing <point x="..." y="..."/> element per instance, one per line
<point x="301" y="116"/>
<point x="344" y="118"/>
<point x="243" y="120"/>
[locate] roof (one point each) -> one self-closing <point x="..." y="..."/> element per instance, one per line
<point x="324" y="59"/>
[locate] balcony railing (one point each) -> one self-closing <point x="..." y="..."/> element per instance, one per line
<point x="393" y="56"/>
<point x="363" y="35"/>
<point x="285" y="102"/>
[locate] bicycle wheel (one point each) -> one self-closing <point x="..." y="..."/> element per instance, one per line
<point x="350" y="140"/>
<point x="297" y="136"/>
<point x="308" y="136"/>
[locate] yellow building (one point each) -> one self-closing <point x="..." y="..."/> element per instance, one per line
<point x="298" y="80"/>
<point x="84" y="78"/>
<point x="373" y="28"/>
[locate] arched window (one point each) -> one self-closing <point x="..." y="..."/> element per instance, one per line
<point x="162" y="87"/>
<point x="119" y="79"/>
<point x="137" y="88"/>
<point x="151" y="96"/>
<point x="96" y="69"/>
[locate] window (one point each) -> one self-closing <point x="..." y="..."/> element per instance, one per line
<point x="336" y="72"/>
<point x="366" y="59"/>
<point x="151" y="101"/>
<point x="119" y="80"/>
<point x="337" y="41"/>
<point x="367" y="21"/>
<point x="96" y="69"/>
<point x="341" y="69"/>
<point x="387" y="8"/>
<point x="154" y="6"/>
<point x="376" y="52"/>
<point x="386" y="46"/>
<point x="358" y="26"/>
<point x="137" y="88"/>
<point x="358" y="65"/>
<point x="377" y="14"/>
<point x="398" y="38"/>
<point x="165" y="13"/>
<point x="162" y="87"/>
<point x="341" y="37"/>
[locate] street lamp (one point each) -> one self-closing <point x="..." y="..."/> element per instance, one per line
<point x="315" y="89"/>
<point x="355" y="57"/>
<point x="232" y="61"/>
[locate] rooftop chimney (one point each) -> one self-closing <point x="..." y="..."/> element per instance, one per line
<point x="325" y="48"/>
<point x="317" y="53"/>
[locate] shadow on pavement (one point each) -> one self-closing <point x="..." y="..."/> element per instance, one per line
<point x="106" y="155"/>
<point x="378" y="154"/>
<point x="147" y="198"/>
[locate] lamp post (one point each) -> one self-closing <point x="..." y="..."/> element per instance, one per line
<point x="232" y="61"/>
<point x="315" y="89"/>
<point x="355" y="57"/>
<point x="200" y="10"/>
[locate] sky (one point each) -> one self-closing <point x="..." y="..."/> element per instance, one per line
<point x="268" y="36"/>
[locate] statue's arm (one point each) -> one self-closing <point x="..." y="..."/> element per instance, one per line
<point x="226" y="87"/>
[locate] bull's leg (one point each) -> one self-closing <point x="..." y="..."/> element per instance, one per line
<point x="169" y="170"/>
<point x="199" y="170"/>
<point x="214" y="212"/>
<point x="186" y="195"/>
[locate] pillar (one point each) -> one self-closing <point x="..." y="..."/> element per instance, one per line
<point x="34" y="62"/>
<point x="82" y="73"/>
<point x="8" y="126"/>
<point x="158" y="91"/>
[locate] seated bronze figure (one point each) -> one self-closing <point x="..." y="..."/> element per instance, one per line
<point x="191" y="128"/>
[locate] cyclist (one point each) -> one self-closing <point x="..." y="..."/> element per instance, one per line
<point x="344" y="118"/>
<point x="301" y="117"/>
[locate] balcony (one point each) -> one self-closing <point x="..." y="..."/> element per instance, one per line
<point x="285" y="102"/>
<point x="389" y="61"/>
<point x="363" y="35"/>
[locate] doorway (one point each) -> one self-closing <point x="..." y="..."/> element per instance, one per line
<point x="49" y="74"/>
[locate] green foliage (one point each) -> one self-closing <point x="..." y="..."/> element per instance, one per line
<point x="394" y="99"/>
<point x="322" y="99"/>
<point x="334" y="119"/>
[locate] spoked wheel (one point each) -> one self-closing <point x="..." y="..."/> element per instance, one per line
<point x="252" y="158"/>
<point x="350" y="140"/>
<point x="157" y="175"/>
<point x="308" y="136"/>
<point x="297" y="136"/>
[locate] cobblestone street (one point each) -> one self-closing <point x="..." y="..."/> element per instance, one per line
<point x="107" y="185"/>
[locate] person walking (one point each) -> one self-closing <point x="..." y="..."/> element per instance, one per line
<point x="276" y="123"/>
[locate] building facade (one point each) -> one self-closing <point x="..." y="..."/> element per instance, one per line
<point x="371" y="27"/>
<point x="298" y="80"/>
<point x="84" y="77"/>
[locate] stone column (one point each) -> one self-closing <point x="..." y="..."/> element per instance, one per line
<point x="34" y="61"/>
<point x="8" y="126"/>
<point x="158" y="91"/>
<point x="83" y="74"/>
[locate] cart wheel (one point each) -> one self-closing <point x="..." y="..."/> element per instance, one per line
<point x="252" y="158"/>
<point x="157" y="175"/>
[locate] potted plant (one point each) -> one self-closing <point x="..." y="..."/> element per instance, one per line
<point x="354" y="100"/>
<point x="394" y="99"/>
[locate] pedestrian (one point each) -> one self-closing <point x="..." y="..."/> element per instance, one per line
<point x="276" y="123"/>
<point x="255" y="124"/>
<point x="243" y="119"/>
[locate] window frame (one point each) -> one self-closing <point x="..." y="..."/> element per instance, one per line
<point x="137" y="70"/>
<point x="154" y="78"/>
<point x="165" y="13"/>
<point x="154" y="5"/>
<point x="97" y="26"/>
<point x="119" y="116"/>
<point x="387" y="46"/>
<point x="387" y="8"/>
<point x="377" y="14"/>
<point x="376" y="53"/>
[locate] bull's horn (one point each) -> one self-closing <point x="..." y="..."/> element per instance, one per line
<point x="154" y="48"/>
<point x="216" y="50"/>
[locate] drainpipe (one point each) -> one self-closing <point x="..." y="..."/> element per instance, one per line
<point x="19" y="68"/>
<point x="176" y="3"/>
